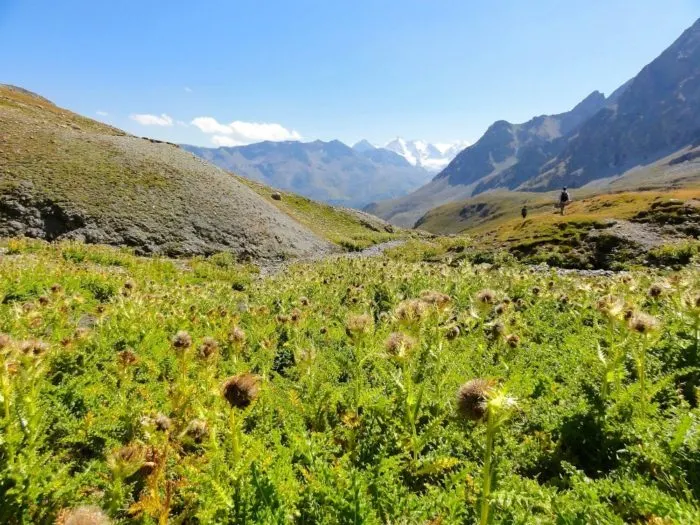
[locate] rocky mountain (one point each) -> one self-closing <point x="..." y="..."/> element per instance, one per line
<point x="328" y="171"/>
<point x="432" y="157"/>
<point x="63" y="176"/>
<point x="651" y="116"/>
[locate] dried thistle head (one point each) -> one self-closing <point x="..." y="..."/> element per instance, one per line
<point x="398" y="344"/>
<point x="295" y="315"/>
<point x="472" y="398"/>
<point x="304" y="301"/>
<point x="56" y="288"/>
<point x="237" y="336"/>
<point x="241" y="390"/>
<point x="643" y="323"/>
<point x="497" y="329"/>
<point x="358" y="324"/>
<point x="127" y="357"/>
<point x="129" y="284"/>
<point x="656" y="290"/>
<point x="43" y="300"/>
<point x="182" y="340"/>
<point x="33" y="347"/>
<point x="500" y="309"/>
<point x="283" y="318"/>
<point x="5" y="341"/>
<point x="197" y="430"/>
<point x="411" y="310"/>
<point x="437" y="299"/>
<point x="452" y="332"/>
<point x="162" y="422"/>
<point x="208" y="348"/>
<point x="611" y="307"/>
<point x="486" y="297"/>
<point x="513" y="340"/>
<point x="83" y="515"/>
<point x="536" y="290"/>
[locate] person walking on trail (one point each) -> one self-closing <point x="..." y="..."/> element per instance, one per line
<point x="523" y="212"/>
<point x="564" y="199"/>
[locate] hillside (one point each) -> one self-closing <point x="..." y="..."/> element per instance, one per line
<point x="648" y="118"/>
<point x="325" y="171"/>
<point x="63" y="176"/>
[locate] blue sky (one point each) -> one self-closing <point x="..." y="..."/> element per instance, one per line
<point x="227" y="72"/>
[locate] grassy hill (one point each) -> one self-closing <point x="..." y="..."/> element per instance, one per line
<point x="146" y="390"/>
<point x="63" y="176"/>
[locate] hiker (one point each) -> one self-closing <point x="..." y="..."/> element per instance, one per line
<point x="523" y="212"/>
<point x="564" y="199"/>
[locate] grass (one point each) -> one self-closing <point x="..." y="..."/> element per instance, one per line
<point x="340" y="226"/>
<point x="156" y="391"/>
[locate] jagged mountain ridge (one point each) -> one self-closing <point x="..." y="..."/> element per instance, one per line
<point x="647" y="118"/>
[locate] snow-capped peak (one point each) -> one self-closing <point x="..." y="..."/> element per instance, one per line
<point x="432" y="157"/>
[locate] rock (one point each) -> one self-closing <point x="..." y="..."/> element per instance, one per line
<point x="276" y="196"/>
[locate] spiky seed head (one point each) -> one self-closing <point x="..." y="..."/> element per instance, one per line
<point x="5" y="341"/>
<point x="500" y="309"/>
<point x="56" y="288"/>
<point x="520" y="304"/>
<point x="182" y="340"/>
<point x="358" y="324"/>
<point x="473" y="397"/>
<point x="162" y="422"/>
<point x="33" y="347"/>
<point x="197" y="430"/>
<point x="437" y="299"/>
<point x="241" y="390"/>
<point x="27" y="307"/>
<point x="127" y="357"/>
<point x="610" y="306"/>
<point x="83" y="515"/>
<point x="411" y="310"/>
<point x="43" y="300"/>
<point x="208" y="348"/>
<point x="513" y="340"/>
<point x="129" y="284"/>
<point x="656" y="290"/>
<point x="497" y="329"/>
<point x="283" y="318"/>
<point x="536" y="290"/>
<point x="452" y="332"/>
<point x="643" y="323"/>
<point x="295" y="315"/>
<point x="398" y="344"/>
<point x="323" y="330"/>
<point x="486" y="297"/>
<point x="304" y="301"/>
<point x="238" y="335"/>
<point x="563" y="299"/>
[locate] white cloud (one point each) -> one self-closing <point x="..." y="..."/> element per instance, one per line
<point x="188" y="90"/>
<point x="102" y="113"/>
<point x="238" y="133"/>
<point x="181" y="123"/>
<point x="152" y="120"/>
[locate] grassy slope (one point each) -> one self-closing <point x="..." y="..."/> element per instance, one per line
<point x="343" y="430"/>
<point x="340" y="226"/>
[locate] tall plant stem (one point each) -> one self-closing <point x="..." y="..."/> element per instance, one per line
<point x="487" y="474"/>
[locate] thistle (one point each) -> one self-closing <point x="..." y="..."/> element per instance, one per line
<point x="358" y="324"/>
<point x="182" y="340"/>
<point x="162" y="422"/>
<point x="398" y="345"/>
<point x="83" y="515"/>
<point x="208" y="348"/>
<point x="479" y="400"/>
<point x="513" y="340"/>
<point x="197" y="430"/>
<point x="437" y="299"/>
<point x="241" y="390"/>
<point x="644" y="325"/>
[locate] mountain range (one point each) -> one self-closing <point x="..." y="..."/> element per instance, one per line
<point x="646" y="119"/>
<point x="332" y="171"/>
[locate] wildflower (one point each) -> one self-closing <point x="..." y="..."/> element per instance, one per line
<point x="295" y="315"/>
<point x="452" y="332"/>
<point x="411" y="310"/>
<point x="513" y="340"/>
<point x="358" y="324"/>
<point x="27" y="307"/>
<point x="182" y="340"/>
<point x="162" y="422"/>
<point x="304" y="301"/>
<point x="486" y="297"/>
<point x="500" y="309"/>
<point x="33" y="347"/>
<point x="564" y="299"/>
<point x="437" y="299"/>
<point x="208" y="347"/>
<point x="237" y="335"/>
<point x="43" y="300"/>
<point x="497" y="329"/>
<point x="398" y="344"/>
<point x="643" y="323"/>
<point x="127" y="357"/>
<point x="197" y="430"/>
<point x="472" y="398"/>
<point x="282" y="318"/>
<point x="5" y="341"/>
<point x="241" y="390"/>
<point x="83" y="515"/>
<point x="56" y="288"/>
<point x="323" y="330"/>
<point x="520" y="304"/>
<point x="536" y="290"/>
<point x="129" y="285"/>
<point x="610" y="306"/>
